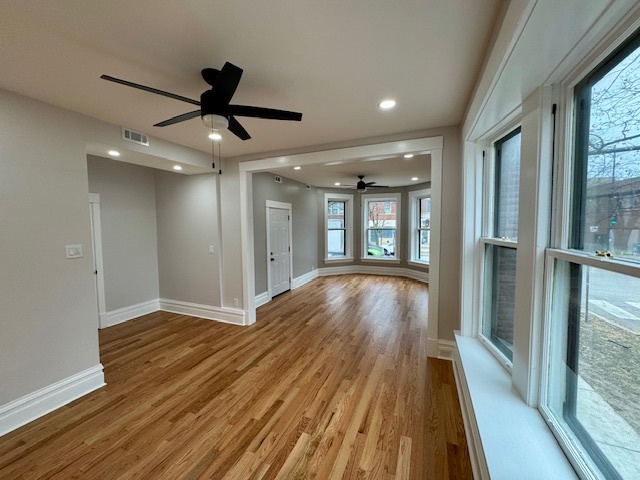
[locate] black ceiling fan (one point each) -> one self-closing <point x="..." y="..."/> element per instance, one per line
<point x="215" y="109"/>
<point x="362" y="186"/>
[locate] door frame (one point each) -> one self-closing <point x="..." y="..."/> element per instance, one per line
<point x="96" y="237"/>
<point x="281" y="206"/>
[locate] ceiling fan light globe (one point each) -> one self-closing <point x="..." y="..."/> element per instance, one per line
<point x="216" y="122"/>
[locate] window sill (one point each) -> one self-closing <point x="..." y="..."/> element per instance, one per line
<point x="338" y="259"/>
<point x="418" y="264"/>
<point x="507" y="438"/>
<point x="379" y="260"/>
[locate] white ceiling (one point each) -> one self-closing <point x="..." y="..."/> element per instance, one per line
<point x="333" y="61"/>
<point x="395" y="171"/>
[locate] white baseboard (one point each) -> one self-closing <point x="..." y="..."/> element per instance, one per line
<point x="374" y="270"/>
<point x="446" y="349"/>
<point x="34" y="405"/>
<point x="304" y="278"/>
<point x="220" y="314"/>
<point x="262" y="299"/>
<point x="114" y="317"/>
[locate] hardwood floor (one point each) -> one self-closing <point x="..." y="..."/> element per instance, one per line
<point x="331" y="382"/>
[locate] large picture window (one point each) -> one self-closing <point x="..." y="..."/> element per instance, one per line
<point x="592" y="392"/>
<point x="502" y="186"/>
<point x="338" y="226"/>
<point x="381" y="215"/>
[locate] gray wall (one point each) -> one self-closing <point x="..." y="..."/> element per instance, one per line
<point x="304" y="211"/>
<point x="186" y="208"/>
<point x="48" y="306"/>
<point x="404" y="244"/>
<point x="129" y="231"/>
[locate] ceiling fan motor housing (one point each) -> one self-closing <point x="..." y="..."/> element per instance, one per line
<point x="212" y="112"/>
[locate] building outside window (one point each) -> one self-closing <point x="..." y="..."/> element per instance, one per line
<point x="502" y="184"/>
<point x="381" y="224"/>
<point x="592" y="391"/>
<point x="338" y="226"/>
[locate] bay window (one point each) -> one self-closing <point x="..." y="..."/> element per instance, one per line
<point x="338" y="227"/>
<point x="420" y="225"/>
<point x="381" y="227"/>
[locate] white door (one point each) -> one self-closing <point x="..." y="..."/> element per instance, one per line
<point x="280" y="251"/>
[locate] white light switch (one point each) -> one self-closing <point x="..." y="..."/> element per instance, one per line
<point x="210" y="248"/>
<point x="73" y="251"/>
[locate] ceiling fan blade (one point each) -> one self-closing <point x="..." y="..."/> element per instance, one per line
<point x="368" y="184"/>
<point x="226" y="83"/>
<point x="237" y="129"/>
<point x="378" y="186"/>
<point x="149" y="89"/>
<point x="179" y="118"/>
<point x="261" y="112"/>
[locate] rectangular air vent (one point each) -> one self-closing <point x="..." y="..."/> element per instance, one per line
<point x="278" y="178"/>
<point x="135" y="137"/>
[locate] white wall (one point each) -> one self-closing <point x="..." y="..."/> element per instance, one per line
<point x="129" y="231"/>
<point x="48" y="312"/>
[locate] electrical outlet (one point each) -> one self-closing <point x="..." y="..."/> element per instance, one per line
<point x="73" y="251"/>
<point x="210" y="248"/>
<point x="236" y="303"/>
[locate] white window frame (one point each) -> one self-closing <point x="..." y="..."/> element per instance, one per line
<point x="348" y="220"/>
<point x="560" y="250"/>
<point x="366" y="199"/>
<point x="486" y="238"/>
<point x="414" y="225"/>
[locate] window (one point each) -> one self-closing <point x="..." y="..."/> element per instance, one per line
<point x="592" y="391"/>
<point x="338" y="225"/>
<point x="502" y="185"/>
<point x="381" y="226"/>
<point x="420" y="225"/>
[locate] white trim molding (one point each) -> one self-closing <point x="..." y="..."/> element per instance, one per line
<point x="262" y="299"/>
<point x="26" y="409"/>
<point x="446" y="349"/>
<point x="114" y="317"/>
<point x="371" y="270"/>
<point x="304" y="278"/>
<point x="209" y="312"/>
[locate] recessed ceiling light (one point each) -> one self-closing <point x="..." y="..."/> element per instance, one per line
<point x="114" y="153"/>
<point x="215" y="136"/>
<point x="337" y="184"/>
<point x="408" y="155"/>
<point x="297" y="168"/>
<point x="387" y="104"/>
<point x="414" y="178"/>
<point x="177" y="167"/>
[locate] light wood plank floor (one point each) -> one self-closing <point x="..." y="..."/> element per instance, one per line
<point x="331" y="382"/>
